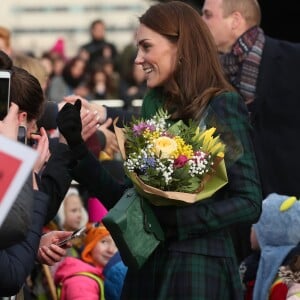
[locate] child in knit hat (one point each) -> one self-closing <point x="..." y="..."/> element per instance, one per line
<point x="275" y="239"/>
<point x="114" y="271"/>
<point x="100" y="272"/>
<point x="83" y="279"/>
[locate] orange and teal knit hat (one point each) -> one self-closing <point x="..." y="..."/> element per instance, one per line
<point x="95" y="232"/>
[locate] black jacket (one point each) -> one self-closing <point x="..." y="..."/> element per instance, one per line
<point x="275" y="117"/>
<point x="17" y="261"/>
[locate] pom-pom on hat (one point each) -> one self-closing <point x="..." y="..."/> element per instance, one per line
<point x="279" y="222"/>
<point x="277" y="232"/>
<point x="96" y="210"/>
<point x="95" y="232"/>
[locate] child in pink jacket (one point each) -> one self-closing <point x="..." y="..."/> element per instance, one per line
<point x="75" y="285"/>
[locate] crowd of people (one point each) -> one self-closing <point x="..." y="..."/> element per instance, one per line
<point x="98" y="71"/>
<point x="216" y="67"/>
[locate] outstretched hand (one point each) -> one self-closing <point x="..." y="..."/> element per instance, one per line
<point x="42" y="147"/>
<point x="69" y="123"/>
<point x="49" y="253"/>
<point x="111" y="145"/>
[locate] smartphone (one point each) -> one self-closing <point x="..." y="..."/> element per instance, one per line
<point x="74" y="235"/>
<point x="4" y="92"/>
<point x="22" y="134"/>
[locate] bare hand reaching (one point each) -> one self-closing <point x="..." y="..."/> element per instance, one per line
<point x="42" y="148"/>
<point x="49" y="253"/>
<point x="111" y="146"/>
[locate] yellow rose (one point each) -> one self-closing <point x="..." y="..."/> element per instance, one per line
<point x="164" y="146"/>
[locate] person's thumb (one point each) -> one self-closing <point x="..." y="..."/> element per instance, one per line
<point x="78" y="104"/>
<point x="63" y="234"/>
<point x="107" y="123"/>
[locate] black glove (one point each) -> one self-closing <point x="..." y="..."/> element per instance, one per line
<point x="69" y="123"/>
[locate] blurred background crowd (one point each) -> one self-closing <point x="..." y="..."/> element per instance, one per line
<point x="66" y="36"/>
<point x="36" y="25"/>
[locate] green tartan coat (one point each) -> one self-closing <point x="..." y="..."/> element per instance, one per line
<point x="197" y="261"/>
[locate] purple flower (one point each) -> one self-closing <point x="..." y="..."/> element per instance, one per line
<point x="138" y="129"/>
<point x="150" y="161"/>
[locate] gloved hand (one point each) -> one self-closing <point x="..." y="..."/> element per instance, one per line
<point x="69" y="123"/>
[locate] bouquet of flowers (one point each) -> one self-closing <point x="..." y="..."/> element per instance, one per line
<point x="168" y="162"/>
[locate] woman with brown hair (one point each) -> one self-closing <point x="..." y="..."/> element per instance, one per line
<point x="184" y="76"/>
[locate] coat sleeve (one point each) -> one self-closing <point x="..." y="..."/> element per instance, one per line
<point x="238" y="201"/>
<point x="17" y="261"/>
<point x="90" y="172"/>
<point x="56" y="178"/>
<point x="17" y="222"/>
<point x="80" y="288"/>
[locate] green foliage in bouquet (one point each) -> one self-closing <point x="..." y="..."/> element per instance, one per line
<point x="171" y="157"/>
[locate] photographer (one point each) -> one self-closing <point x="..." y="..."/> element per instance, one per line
<point x="20" y="242"/>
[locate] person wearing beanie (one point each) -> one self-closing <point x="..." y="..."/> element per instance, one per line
<point x="275" y="239"/>
<point x="115" y="270"/>
<point x="83" y="278"/>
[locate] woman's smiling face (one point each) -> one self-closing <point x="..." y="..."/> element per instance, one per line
<point x="157" y="56"/>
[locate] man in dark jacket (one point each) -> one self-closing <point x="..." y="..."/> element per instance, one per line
<point x="266" y="73"/>
<point x="98" y="48"/>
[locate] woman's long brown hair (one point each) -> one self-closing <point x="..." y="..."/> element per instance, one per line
<point x="198" y="75"/>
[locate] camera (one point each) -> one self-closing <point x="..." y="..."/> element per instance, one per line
<point x="22" y="134"/>
<point x="76" y="234"/>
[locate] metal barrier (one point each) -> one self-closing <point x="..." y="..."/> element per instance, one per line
<point x="136" y="102"/>
<point x="109" y="102"/>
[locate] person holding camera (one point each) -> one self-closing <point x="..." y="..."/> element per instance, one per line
<point x="21" y="237"/>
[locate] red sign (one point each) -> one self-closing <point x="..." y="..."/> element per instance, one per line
<point x="8" y="168"/>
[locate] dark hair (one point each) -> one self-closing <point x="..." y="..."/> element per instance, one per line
<point x="198" y="74"/>
<point x="25" y="89"/>
<point x="67" y="72"/>
<point x="5" y="61"/>
<point x="96" y="22"/>
<point x="91" y="78"/>
<point x="27" y="93"/>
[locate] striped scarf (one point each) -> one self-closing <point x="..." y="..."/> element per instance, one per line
<point x="241" y="65"/>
